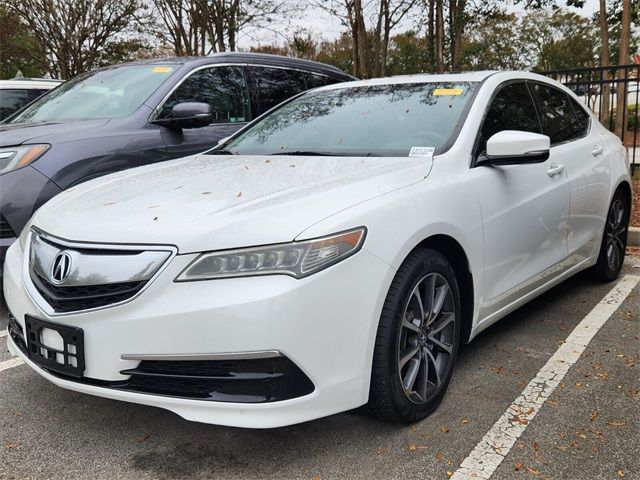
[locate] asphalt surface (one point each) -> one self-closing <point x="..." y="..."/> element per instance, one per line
<point x="589" y="428"/>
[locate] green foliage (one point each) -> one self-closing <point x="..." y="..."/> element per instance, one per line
<point x="18" y="49"/>
<point x="408" y="54"/>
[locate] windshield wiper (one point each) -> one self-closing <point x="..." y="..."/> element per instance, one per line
<point x="307" y="153"/>
<point x="220" y="152"/>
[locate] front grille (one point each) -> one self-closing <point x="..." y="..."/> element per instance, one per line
<point x="72" y="298"/>
<point x="5" y="229"/>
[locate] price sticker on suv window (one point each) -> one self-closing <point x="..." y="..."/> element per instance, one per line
<point x="448" y="91"/>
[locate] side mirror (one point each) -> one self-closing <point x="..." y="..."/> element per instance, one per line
<point x="223" y="140"/>
<point x="188" y="115"/>
<point x="514" y="147"/>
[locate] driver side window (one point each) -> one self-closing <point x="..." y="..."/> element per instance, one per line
<point x="511" y="109"/>
<point x="224" y="88"/>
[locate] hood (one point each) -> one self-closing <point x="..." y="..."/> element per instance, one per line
<point x="12" y="134"/>
<point x="211" y="202"/>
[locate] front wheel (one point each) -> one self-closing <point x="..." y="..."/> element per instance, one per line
<point x="417" y="340"/>
<point x="614" y="240"/>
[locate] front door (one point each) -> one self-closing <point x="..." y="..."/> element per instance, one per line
<point x="525" y="208"/>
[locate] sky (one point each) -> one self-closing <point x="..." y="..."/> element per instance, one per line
<point x="323" y="26"/>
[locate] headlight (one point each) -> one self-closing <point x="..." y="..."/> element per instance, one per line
<point x="12" y="158"/>
<point x="297" y="259"/>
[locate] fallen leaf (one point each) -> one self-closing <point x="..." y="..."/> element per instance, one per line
<point x="439" y="457"/>
<point x="532" y="470"/>
<point x="536" y="446"/>
<point x="621" y="473"/>
<point x="551" y="402"/>
<point x="444" y="429"/>
<point x="464" y="421"/>
<point x="593" y="415"/>
<point x="518" y="467"/>
<point x="239" y="194"/>
<point x="617" y="423"/>
<point x="11" y="444"/>
<point x="412" y="447"/>
<point x="317" y="477"/>
<point x="563" y="447"/>
<point x="450" y="473"/>
<point x="520" y="445"/>
<point x="155" y="219"/>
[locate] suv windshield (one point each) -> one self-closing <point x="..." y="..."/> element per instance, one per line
<point x="111" y="93"/>
<point x="380" y="120"/>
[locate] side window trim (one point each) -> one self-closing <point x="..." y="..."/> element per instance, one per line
<point x="496" y="91"/>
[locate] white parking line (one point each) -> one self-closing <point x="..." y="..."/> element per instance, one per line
<point x="13" y="362"/>
<point x="487" y="455"/>
<point x="3" y="333"/>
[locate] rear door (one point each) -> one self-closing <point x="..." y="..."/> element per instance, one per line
<point x="578" y="148"/>
<point x="222" y="87"/>
<point x="525" y="208"/>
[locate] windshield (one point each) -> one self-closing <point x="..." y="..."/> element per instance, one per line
<point x="111" y="93"/>
<point x="380" y="120"/>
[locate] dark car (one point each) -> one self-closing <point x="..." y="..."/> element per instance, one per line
<point x="133" y="114"/>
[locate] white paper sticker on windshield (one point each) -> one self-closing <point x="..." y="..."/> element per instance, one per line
<point x="421" y="151"/>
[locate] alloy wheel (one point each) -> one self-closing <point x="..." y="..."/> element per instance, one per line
<point x="615" y="234"/>
<point x="426" y="338"/>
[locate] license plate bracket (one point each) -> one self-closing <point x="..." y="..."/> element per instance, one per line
<point x="68" y="359"/>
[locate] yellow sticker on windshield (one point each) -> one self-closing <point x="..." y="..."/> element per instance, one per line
<point x="448" y="91"/>
<point x="162" y="70"/>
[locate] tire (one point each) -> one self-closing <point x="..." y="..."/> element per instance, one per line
<point x="425" y="275"/>
<point x="614" y="240"/>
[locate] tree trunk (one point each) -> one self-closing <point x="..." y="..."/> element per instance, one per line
<point x="362" y="37"/>
<point x="431" y="37"/>
<point x="439" y="37"/>
<point x="621" y="107"/>
<point x="605" y="91"/>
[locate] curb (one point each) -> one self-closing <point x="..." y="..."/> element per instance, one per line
<point x="633" y="240"/>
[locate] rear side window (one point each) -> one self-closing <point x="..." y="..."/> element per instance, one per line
<point x="511" y="109"/>
<point x="582" y="117"/>
<point x="559" y="118"/>
<point x="274" y="85"/>
<point x="224" y="88"/>
<point x="315" y="80"/>
<point x="12" y="100"/>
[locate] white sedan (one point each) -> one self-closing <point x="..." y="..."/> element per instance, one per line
<point x="334" y="253"/>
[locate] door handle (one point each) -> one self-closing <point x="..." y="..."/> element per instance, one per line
<point x="555" y="169"/>
<point x="597" y="150"/>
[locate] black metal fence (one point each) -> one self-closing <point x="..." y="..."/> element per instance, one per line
<point x="606" y="91"/>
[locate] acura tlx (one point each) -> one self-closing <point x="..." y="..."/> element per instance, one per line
<point x="333" y="253"/>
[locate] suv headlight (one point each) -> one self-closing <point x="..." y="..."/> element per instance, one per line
<point x="12" y="158"/>
<point x="297" y="259"/>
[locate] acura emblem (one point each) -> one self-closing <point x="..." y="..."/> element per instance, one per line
<point x="61" y="267"/>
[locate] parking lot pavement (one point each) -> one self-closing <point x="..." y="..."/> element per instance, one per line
<point x="587" y="429"/>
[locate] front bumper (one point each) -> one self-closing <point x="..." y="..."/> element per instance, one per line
<point x="324" y="324"/>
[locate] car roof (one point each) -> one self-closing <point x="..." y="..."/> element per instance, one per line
<point x="417" y="78"/>
<point x="247" y="58"/>
<point x="27" y="83"/>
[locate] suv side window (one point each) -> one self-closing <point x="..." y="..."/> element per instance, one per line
<point x="315" y="80"/>
<point x="511" y="109"/>
<point x="274" y="85"/>
<point x="559" y="118"/>
<point x="224" y="88"/>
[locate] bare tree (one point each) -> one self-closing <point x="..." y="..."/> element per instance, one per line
<point x="75" y="33"/>
<point x="182" y="26"/>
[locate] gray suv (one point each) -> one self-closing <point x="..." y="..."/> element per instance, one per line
<point x="134" y="114"/>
